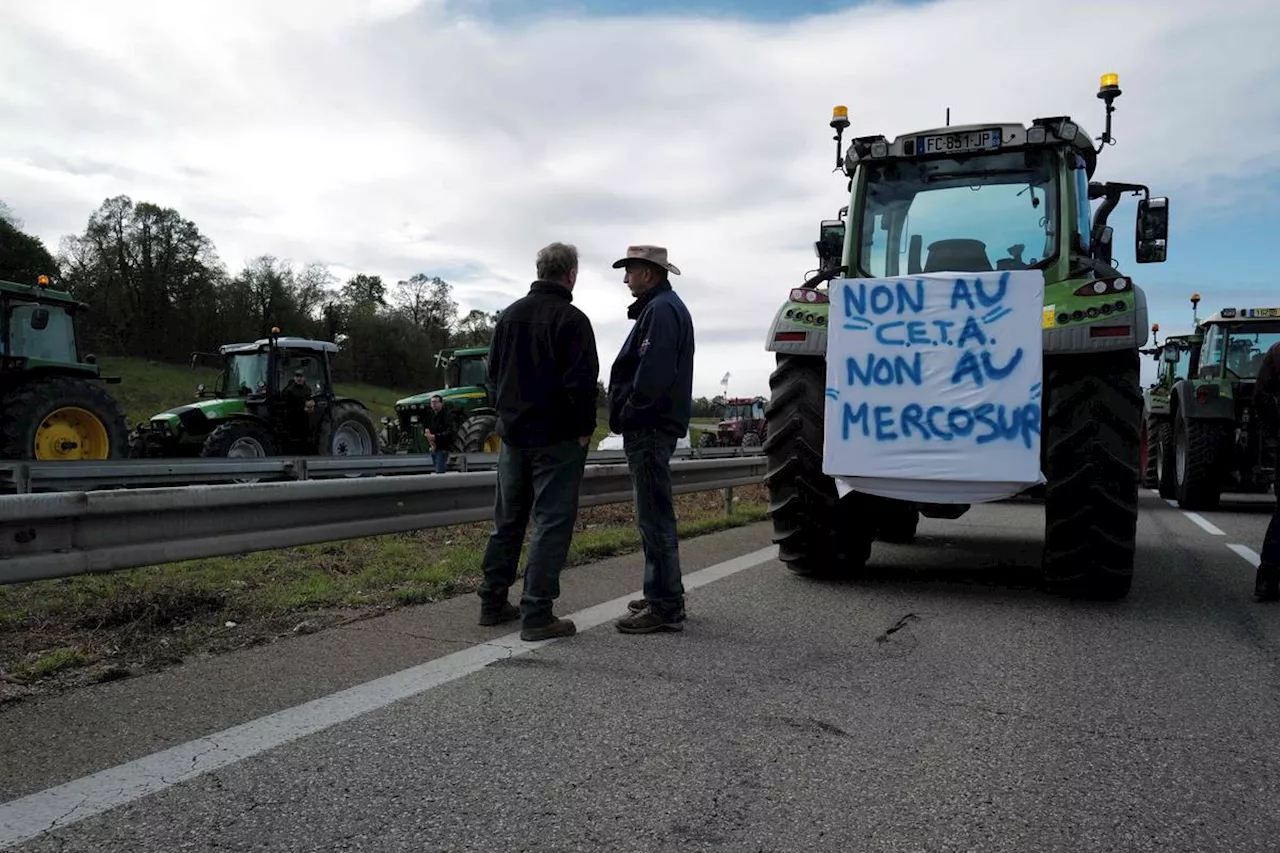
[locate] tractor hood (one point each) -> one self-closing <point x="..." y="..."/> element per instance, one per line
<point x="183" y="418"/>
<point x="420" y="402"/>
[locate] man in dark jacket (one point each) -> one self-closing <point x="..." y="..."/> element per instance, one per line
<point x="543" y="363"/>
<point x="439" y="430"/>
<point x="650" y="400"/>
<point x="1266" y="395"/>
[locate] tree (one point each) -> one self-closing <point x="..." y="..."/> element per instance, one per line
<point x="475" y="329"/>
<point x="22" y="257"/>
<point x="365" y="289"/>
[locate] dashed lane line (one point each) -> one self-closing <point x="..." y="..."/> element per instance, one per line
<point x="1250" y="556"/>
<point x="27" y="817"/>
<point x="1199" y="520"/>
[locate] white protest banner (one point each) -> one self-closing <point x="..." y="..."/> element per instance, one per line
<point x="934" y="385"/>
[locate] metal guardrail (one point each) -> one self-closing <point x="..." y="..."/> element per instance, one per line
<point x="66" y="533"/>
<point x="29" y="477"/>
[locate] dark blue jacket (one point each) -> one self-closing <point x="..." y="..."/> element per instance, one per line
<point x="651" y="383"/>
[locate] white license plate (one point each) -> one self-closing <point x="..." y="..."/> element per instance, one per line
<point x="959" y="143"/>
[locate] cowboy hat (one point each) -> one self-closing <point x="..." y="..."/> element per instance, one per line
<point x="652" y="254"/>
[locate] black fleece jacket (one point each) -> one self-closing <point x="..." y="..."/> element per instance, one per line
<point x="543" y="364"/>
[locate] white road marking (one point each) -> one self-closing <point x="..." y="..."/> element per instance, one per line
<point x="1171" y="502"/>
<point x="1203" y="523"/>
<point x="27" y="817"/>
<point x="1246" y="553"/>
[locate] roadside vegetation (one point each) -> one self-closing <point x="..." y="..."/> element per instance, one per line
<point x="58" y="634"/>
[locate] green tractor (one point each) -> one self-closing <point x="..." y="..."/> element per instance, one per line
<point x="467" y="391"/>
<point x="1173" y="358"/>
<point x="52" y="403"/>
<point x="961" y="183"/>
<point x="1218" y="442"/>
<point x="248" y="414"/>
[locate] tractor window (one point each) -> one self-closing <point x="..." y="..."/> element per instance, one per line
<point x="245" y="374"/>
<point x="1177" y="371"/>
<point x="1083" y="224"/>
<point x="469" y="371"/>
<point x="312" y="366"/>
<point x="1211" y="353"/>
<point x="977" y="214"/>
<point x="55" y="342"/>
<point x="1246" y="345"/>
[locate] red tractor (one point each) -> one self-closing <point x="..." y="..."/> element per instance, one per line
<point x="743" y="424"/>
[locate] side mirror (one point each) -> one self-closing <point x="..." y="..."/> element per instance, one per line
<point x="40" y="319"/>
<point x="830" y="243"/>
<point x="1152" y="231"/>
<point x="1171" y="355"/>
<point x="1104" y="250"/>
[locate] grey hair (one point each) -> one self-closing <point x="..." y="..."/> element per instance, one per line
<point x="556" y="261"/>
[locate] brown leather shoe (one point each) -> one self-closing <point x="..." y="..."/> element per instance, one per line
<point x="550" y="631"/>
<point x="496" y="617"/>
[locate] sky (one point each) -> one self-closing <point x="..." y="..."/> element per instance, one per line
<point x="457" y="137"/>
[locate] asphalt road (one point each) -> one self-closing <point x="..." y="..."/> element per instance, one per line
<point x="941" y="703"/>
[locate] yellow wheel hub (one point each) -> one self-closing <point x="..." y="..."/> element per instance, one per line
<point x="493" y="443"/>
<point x="72" y="433"/>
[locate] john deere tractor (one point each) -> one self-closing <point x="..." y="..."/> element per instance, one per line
<point x="52" y="403"/>
<point x="1218" y="441"/>
<point x="249" y="412"/>
<point x="466" y="391"/>
<point x="978" y="189"/>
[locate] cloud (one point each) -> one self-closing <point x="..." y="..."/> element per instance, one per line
<point x="395" y="136"/>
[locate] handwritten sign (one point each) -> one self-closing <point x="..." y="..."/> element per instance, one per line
<point x="936" y="377"/>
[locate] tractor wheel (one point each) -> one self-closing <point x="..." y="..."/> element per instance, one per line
<point x="751" y="440"/>
<point x="478" y="434"/>
<point x="707" y="439"/>
<point x="1200" y="455"/>
<point x="803" y="503"/>
<point x="1092" y="427"/>
<point x="239" y="440"/>
<point x="349" y="430"/>
<point x="898" y="522"/>
<point x="62" y="418"/>
<point x="1162" y="446"/>
<point x="1150" y="454"/>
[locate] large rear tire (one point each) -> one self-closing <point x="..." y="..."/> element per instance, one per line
<point x="1165" y="462"/>
<point x="803" y="503"/>
<point x="479" y="434"/>
<point x="239" y="440"/>
<point x="349" y="431"/>
<point x="1200" y="458"/>
<point x="1092" y="429"/>
<point x="61" y="418"/>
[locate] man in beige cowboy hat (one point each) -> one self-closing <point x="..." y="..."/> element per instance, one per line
<point x="650" y="400"/>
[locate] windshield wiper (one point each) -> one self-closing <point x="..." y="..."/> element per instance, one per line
<point x="984" y="173"/>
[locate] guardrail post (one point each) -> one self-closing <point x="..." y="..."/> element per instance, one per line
<point x="728" y="501"/>
<point x="22" y="479"/>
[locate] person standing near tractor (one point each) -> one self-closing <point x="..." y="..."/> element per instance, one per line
<point x="1266" y="396"/>
<point x="650" y="402"/>
<point x="299" y="406"/>
<point x="543" y="365"/>
<point x="440" y="430"/>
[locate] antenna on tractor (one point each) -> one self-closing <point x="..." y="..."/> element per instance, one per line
<point x="1108" y="92"/>
<point x="948" y="116"/>
<point x="839" y="120"/>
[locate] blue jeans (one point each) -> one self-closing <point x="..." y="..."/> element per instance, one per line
<point x="441" y="458"/>
<point x="542" y="482"/>
<point x="648" y="454"/>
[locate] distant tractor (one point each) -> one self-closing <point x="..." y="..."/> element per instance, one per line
<point x="1218" y="442"/>
<point x="742" y="424"/>
<point x="467" y="392"/>
<point x="1173" y="358"/>
<point x="249" y="414"/>
<point x="52" y="403"/>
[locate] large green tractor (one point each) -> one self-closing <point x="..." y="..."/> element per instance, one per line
<point x="248" y="413"/>
<point x="1010" y="185"/>
<point x="52" y="403"/>
<point x="1173" y="360"/>
<point x="1219" y="442"/>
<point x="467" y="391"/>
